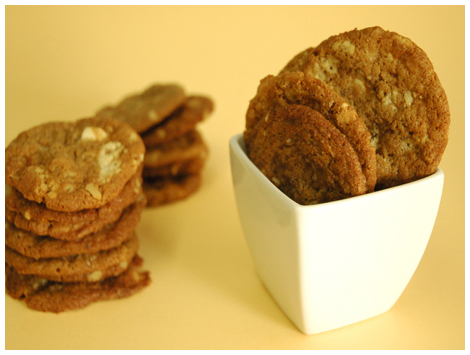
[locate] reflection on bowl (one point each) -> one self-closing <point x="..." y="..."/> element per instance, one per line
<point x="336" y="263"/>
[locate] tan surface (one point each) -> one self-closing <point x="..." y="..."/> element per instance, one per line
<point x="63" y="63"/>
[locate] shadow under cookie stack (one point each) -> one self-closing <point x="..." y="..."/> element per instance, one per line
<point x="166" y="120"/>
<point x="73" y="199"/>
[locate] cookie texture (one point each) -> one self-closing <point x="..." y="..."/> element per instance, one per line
<point x="144" y="110"/>
<point x="392" y="85"/>
<point x="184" y="119"/>
<point x="70" y="166"/>
<point x="305" y="156"/>
<point x="298" y="89"/>
<point x="49" y="296"/>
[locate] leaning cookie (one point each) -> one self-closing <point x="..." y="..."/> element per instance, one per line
<point x="142" y="111"/>
<point x="109" y="237"/>
<point x="71" y="166"/>
<point x="48" y="296"/>
<point x="392" y="84"/>
<point x="76" y="268"/>
<point x="305" y="156"/>
<point x="299" y="89"/>
<point x="163" y="190"/>
<point x="184" y="119"/>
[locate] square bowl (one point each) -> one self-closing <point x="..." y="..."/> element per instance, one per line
<point x="337" y="263"/>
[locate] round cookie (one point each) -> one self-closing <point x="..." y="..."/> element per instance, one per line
<point x="147" y="109"/>
<point x="35" y="217"/>
<point x="188" y="147"/>
<point x="298" y="89"/>
<point x="110" y="236"/>
<point x="392" y="84"/>
<point x="49" y="296"/>
<point x="71" y="166"/>
<point x="305" y="156"/>
<point x="161" y="191"/>
<point x="77" y="268"/>
<point x="194" y="110"/>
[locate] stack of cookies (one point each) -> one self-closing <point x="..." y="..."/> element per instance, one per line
<point x="176" y="153"/>
<point x="72" y="202"/>
<point x="363" y="111"/>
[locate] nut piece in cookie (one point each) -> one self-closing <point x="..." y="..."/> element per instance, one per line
<point x="305" y="156"/>
<point x="147" y="109"/>
<point x="71" y="166"/>
<point x="392" y="84"/>
<point x="299" y="89"/>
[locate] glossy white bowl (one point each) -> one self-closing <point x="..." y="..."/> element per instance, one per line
<point x="337" y="263"/>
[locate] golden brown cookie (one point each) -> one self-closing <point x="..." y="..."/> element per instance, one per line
<point x="161" y="191"/>
<point x="71" y="166"/>
<point x="392" y="84"/>
<point x="305" y="156"/>
<point x="147" y="109"/>
<point x="35" y="217"/>
<point x="76" y="268"/>
<point x="182" y="168"/>
<point x="184" y="119"/>
<point x="190" y="146"/>
<point x="110" y="236"/>
<point x="49" y="296"/>
<point x="298" y="89"/>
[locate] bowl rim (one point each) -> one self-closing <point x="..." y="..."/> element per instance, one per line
<point x="237" y="145"/>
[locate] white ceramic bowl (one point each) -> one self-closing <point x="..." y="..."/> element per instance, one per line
<point x="336" y="263"/>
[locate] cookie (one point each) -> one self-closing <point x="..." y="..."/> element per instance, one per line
<point x="110" y="236"/>
<point x="48" y="296"/>
<point x="71" y="166"/>
<point x="188" y="147"/>
<point x="184" y="119"/>
<point x="392" y="84"/>
<point x="76" y="268"/>
<point x="35" y="217"/>
<point x="146" y="109"/>
<point x="183" y="168"/>
<point x="161" y="191"/>
<point x="296" y="88"/>
<point x="305" y="156"/>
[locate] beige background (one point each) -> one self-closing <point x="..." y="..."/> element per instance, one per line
<point x="63" y="63"/>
